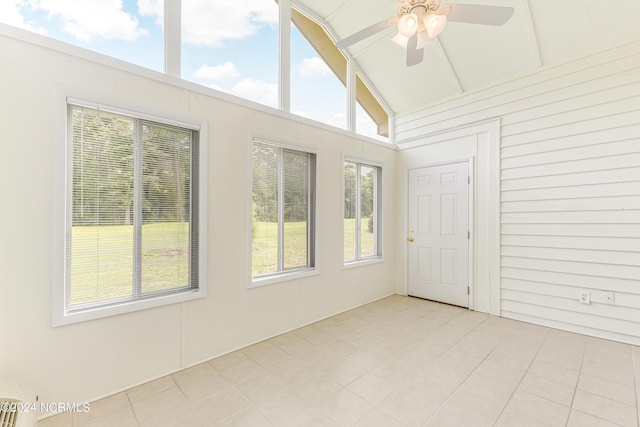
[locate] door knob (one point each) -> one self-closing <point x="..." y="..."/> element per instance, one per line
<point x="410" y="239"/>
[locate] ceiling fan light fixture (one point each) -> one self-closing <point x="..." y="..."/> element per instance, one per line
<point x="423" y="39"/>
<point x="434" y="24"/>
<point x="408" y="24"/>
<point x="400" y="40"/>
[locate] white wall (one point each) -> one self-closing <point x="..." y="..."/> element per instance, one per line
<point x="570" y="188"/>
<point x="96" y="358"/>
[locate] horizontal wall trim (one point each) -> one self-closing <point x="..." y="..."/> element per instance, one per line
<point x="582" y="268"/>
<point x="600" y="136"/>
<point x="585" y="204"/>
<point x="592" y="256"/>
<point x="571" y="279"/>
<point x="543" y="188"/>
<point x="625" y="244"/>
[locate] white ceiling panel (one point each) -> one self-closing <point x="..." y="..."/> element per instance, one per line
<point x="570" y="29"/>
<point x="468" y="56"/>
<point x="482" y="54"/>
<point x="404" y="87"/>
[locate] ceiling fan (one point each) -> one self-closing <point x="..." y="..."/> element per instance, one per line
<point x="419" y="21"/>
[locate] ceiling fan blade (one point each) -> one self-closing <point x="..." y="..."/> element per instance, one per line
<point x="477" y="14"/>
<point x="366" y="32"/>
<point x="414" y="55"/>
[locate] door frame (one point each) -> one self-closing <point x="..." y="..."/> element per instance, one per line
<point x="480" y="140"/>
<point x="470" y="161"/>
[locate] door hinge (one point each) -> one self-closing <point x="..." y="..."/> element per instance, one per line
<point x="468" y="235"/>
<point x="468" y="180"/>
<point x="468" y="290"/>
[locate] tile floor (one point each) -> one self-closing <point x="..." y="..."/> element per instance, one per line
<point x="396" y="362"/>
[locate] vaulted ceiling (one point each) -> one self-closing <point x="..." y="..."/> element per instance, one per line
<point x="465" y="57"/>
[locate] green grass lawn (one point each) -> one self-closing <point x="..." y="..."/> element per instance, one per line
<point x="102" y="257"/>
<point x="102" y="260"/>
<point x="265" y="251"/>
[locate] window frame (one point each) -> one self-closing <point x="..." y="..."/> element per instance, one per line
<point x="63" y="189"/>
<point x="311" y="268"/>
<point x="377" y="206"/>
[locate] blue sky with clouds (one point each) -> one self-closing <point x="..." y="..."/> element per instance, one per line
<point x="229" y="46"/>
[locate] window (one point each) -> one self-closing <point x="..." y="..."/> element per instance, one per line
<point x="283" y="209"/>
<point x="232" y="47"/>
<point x="362" y="209"/>
<point x="127" y="30"/>
<point x="316" y="90"/>
<point x="132" y="216"/>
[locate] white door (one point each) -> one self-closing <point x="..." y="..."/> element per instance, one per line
<point x="438" y="235"/>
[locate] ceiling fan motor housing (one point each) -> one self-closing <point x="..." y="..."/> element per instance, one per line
<point x="412" y="6"/>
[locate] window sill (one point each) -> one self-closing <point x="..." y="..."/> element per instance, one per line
<point x="282" y="277"/>
<point x="362" y="263"/>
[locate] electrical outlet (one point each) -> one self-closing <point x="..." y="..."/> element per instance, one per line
<point x="584" y="298"/>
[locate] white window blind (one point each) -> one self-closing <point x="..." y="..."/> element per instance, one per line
<point x="132" y="223"/>
<point x="282" y="224"/>
<point x="362" y="209"/>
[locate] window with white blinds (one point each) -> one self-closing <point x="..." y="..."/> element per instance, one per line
<point x="132" y="209"/>
<point x="362" y="211"/>
<point x="283" y="209"/>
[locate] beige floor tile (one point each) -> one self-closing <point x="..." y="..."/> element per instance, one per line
<point x="109" y="404"/>
<point x="556" y="373"/>
<point x="218" y="407"/>
<point x="611" y="390"/>
<point x="504" y="368"/>
<point x="580" y="419"/>
<point x="286" y="408"/>
<point x="560" y="354"/>
<point x="525" y="406"/>
<point x="413" y="405"/>
<point x="608" y="352"/>
<point x="314" y="386"/>
<point x="149" y="389"/>
<point x="378" y="418"/>
<point x="200" y="381"/>
<point x="621" y="372"/>
<point x="267" y="355"/>
<point x="491" y="388"/>
<point x="369" y="358"/>
<point x="120" y="417"/>
<point x="250" y="417"/>
<point x="241" y="371"/>
<point x="161" y="406"/>
<point x="552" y="390"/>
<point x="341" y="347"/>
<point x="372" y="388"/>
<point x="229" y="359"/>
<point x="344" y="407"/>
<point x="477" y="344"/>
<point x="466" y="409"/>
<point x="610" y="410"/>
<point x="314" y="335"/>
<point x="60" y="420"/>
<point x="177" y="419"/>
<point x="294" y="344"/>
<point x="398" y="362"/>
<point x="344" y="372"/>
<point x="261" y="387"/>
